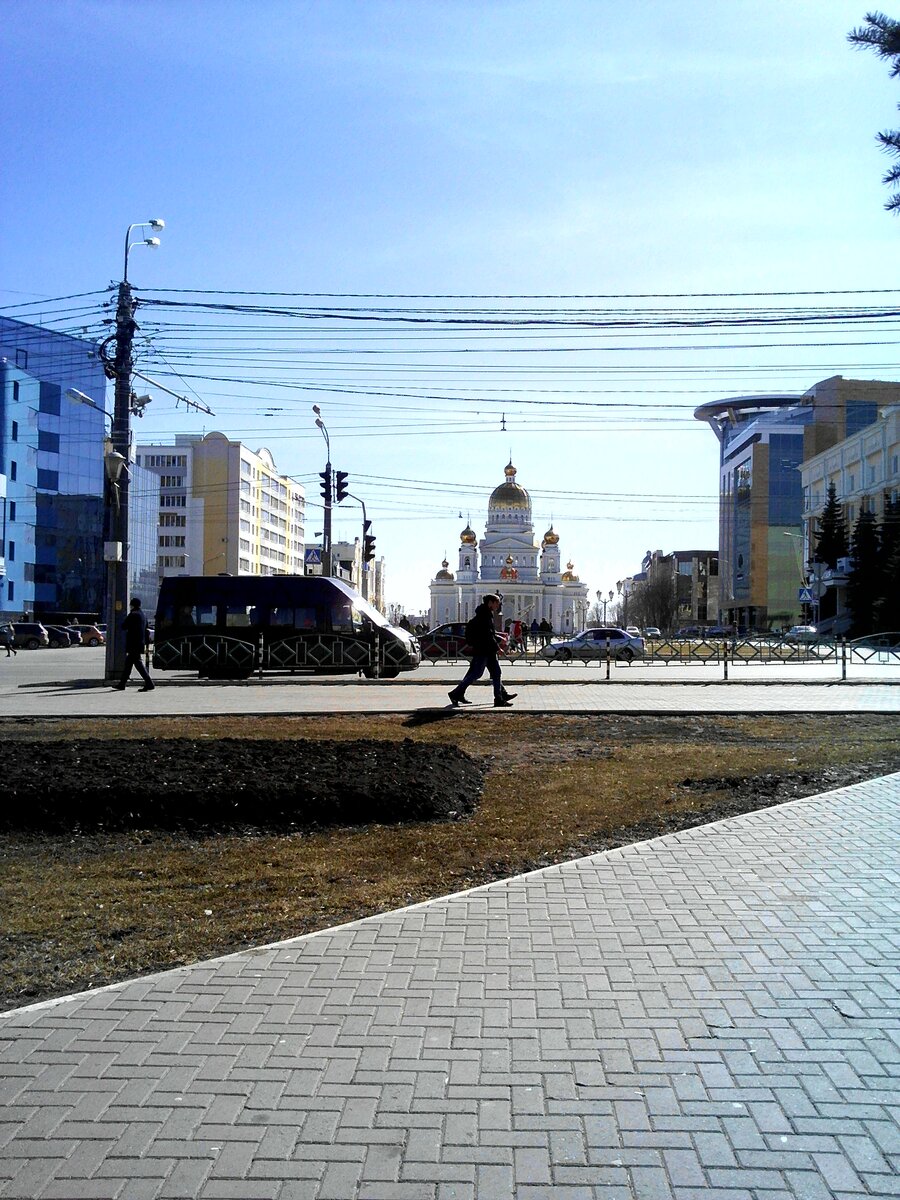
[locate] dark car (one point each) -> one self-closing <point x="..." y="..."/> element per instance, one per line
<point x="63" y="635"/>
<point x="30" y="635"/>
<point x="444" y="641"/>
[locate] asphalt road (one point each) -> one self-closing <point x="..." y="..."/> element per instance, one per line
<point x="70" y="683"/>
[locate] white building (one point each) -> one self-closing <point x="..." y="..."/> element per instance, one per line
<point x="223" y="508"/>
<point x="507" y="560"/>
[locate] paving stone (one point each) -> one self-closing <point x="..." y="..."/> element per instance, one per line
<point x="710" y="1014"/>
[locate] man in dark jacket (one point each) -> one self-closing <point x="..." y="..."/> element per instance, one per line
<point x="482" y="637"/>
<point x="136" y="641"/>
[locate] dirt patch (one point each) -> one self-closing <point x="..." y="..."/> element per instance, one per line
<point x="88" y="906"/>
<point x="169" y="783"/>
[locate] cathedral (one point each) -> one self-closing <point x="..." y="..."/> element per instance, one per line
<point x="508" y="561"/>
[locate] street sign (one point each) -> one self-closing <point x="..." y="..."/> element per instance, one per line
<point x="805" y="595"/>
<point x="312" y="556"/>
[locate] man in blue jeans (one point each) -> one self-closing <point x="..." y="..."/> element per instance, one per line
<point x="482" y="637"/>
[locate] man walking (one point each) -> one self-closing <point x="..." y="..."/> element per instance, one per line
<point x="482" y="637"/>
<point x="137" y="639"/>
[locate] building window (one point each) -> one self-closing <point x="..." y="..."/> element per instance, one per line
<point x="15" y="429"/>
<point x="12" y="510"/>
<point x="12" y="552"/>
<point x="11" y="593"/>
<point x="48" y="480"/>
<point x="48" y="441"/>
<point x="13" y="471"/>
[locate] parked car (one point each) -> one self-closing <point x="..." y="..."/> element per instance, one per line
<point x="30" y="635"/>
<point x="63" y="635"/>
<point x="801" y="633"/>
<point x="592" y="643"/>
<point x="90" y="635"/>
<point x="633" y="630"/>
<point x="690" y="631"/>
<point x="651" y="631"/>
<point x="449" y="639"/>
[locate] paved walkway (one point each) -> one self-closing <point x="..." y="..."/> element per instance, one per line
<point x="712" y="1015"/>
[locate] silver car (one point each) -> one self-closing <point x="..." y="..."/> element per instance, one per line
<point x="592" y="643"/>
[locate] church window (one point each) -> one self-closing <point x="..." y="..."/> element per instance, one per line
<point x="468" y="562"/>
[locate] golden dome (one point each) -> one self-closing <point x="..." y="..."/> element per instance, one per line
<point x="468" y="537"/>
<point x="509" y="494"/>
<point x="551" y="537"/>
<point x="568" y="575"/>
<point x="444" y="574"/>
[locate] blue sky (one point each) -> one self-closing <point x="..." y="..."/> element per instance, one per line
<point x="529" y="149"/>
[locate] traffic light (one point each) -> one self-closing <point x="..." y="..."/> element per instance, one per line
<point x="368" y="542"/>
<point x="325" y="486"/>
<point x="340" y="486"/>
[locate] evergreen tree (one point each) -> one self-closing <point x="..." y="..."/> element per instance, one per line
<point x="882" y="34"/>
<point x="831" y="539"/>
<point x="887" y="607"/>
<point x="865" y="582"/>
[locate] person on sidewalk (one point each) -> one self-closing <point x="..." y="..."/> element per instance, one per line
<point x="137" y="639"/>
<point x="8" y="636"/>
<point x="481" y="635"/>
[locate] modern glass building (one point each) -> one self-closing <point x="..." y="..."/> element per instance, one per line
<point x="51" y="473"/>
<point x="763" y="550"/>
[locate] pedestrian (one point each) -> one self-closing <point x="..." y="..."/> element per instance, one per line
<point x="517" y="635"/>
<point x="546" y="631"/>
<point x="481" y="635"/>
<point x="535" y="634"/>
<point x="9" y="639"/>
<point x="137" y="639"/>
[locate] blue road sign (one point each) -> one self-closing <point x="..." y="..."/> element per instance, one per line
<point x="312" y="556"/>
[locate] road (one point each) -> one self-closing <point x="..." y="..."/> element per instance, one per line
<point x="69" y="683"/>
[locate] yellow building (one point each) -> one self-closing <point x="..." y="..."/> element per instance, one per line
<point x="224" y="509"/>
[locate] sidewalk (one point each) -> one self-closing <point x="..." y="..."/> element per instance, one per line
<point x="712" y="1015"/>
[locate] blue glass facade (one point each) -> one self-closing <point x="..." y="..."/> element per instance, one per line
<point x="51" y="458"/>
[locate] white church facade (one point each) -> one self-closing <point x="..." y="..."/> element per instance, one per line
<point x="507" y="560"/>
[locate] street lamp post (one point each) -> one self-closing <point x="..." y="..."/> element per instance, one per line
<point x="364" y="572"/>
<point x="116" y="549"/>
<point x="327" y="487"/>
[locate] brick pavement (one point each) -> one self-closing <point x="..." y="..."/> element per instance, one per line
<point x="711" y="1015"/>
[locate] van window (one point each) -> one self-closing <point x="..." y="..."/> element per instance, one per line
<point x="345" y="617"/>
<point x="302" y="617"/>
<point x="241" y="616"/>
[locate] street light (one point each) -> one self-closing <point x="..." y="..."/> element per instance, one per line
<point x="81" y="398"/>
<point x="325" y="475"/>
<point x="153" y="242"/>
<point x="122" y="371"/>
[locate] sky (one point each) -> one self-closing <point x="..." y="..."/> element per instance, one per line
<point x="383" y="191"/>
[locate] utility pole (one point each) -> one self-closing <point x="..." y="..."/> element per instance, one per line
<point x="117" y="547"/>
<point x="116" y="461"/>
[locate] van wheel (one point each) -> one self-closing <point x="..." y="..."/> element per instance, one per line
<point x="32" y="644"/>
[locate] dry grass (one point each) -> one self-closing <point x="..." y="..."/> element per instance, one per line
<point x="87" y="909"/>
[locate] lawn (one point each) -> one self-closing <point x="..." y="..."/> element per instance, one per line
<point x="88" y="906"/>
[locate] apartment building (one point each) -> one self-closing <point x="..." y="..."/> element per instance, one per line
<point x="224" y="509"/>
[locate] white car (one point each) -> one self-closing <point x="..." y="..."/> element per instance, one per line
<point x="592" y="643"/>
<point x="651" y="631"/>
<point x="802" y="633"/>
